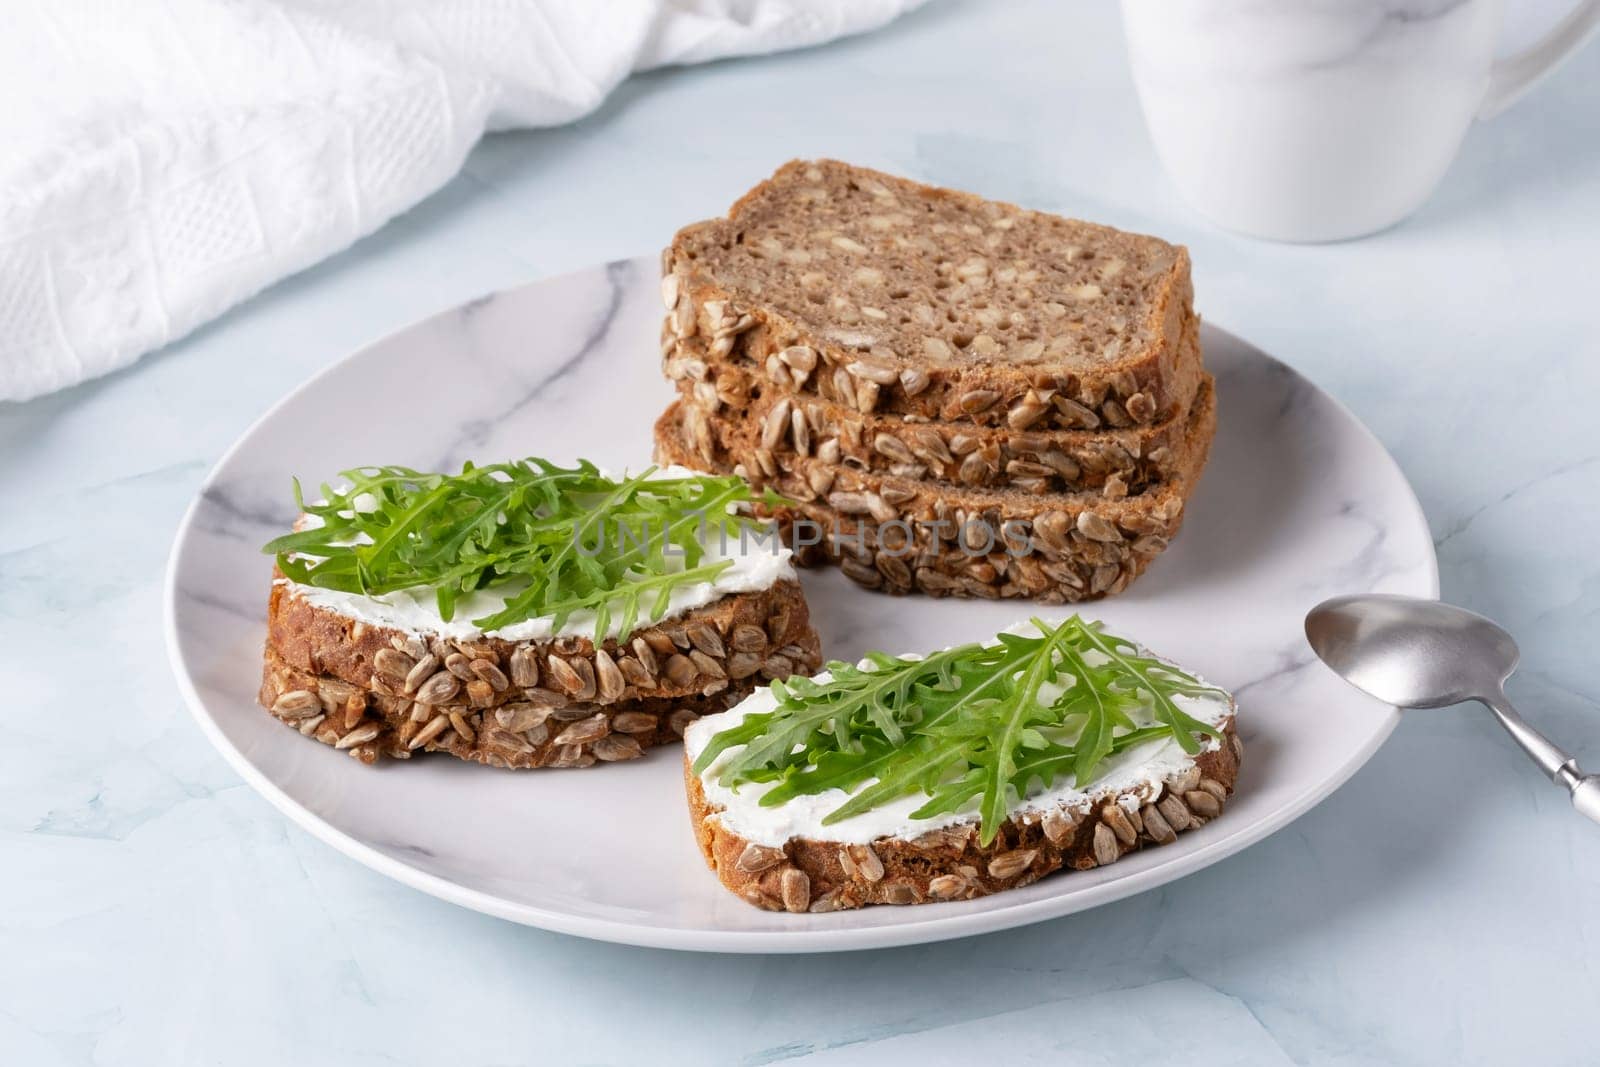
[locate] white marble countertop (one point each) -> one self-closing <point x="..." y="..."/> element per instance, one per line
<point x="1439" y="908"/>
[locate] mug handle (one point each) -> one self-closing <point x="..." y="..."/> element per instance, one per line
<point x="1513" y="76"/>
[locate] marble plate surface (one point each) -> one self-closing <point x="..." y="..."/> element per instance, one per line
<point x="1299" y="502"/>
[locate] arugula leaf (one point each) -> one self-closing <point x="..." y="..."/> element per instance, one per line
<point x="556" y="540"/>
<point x="969" y="728"/>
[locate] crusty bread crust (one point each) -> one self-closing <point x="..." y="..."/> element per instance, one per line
<point x="516" y="735"/>
<point x="1117" y="460"/>
<point x="376" y="690"/>
<point x="709" y="294"/>
<point x="949" y="864"/>
<point x="901" y="535"/>
<point x="733" y="637"/>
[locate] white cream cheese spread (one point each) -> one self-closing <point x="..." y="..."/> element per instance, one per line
<point x="1136" y="773"/>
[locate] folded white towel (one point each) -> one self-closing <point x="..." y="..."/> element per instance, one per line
<point x="164" y="161"/>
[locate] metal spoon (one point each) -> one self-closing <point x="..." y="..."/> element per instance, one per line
<point x="1423" y="654"/>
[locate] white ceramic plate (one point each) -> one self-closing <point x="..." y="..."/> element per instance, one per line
<point x="1299" y="503"/>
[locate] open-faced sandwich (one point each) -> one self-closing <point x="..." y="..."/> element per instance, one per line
<point x="524" y="614"/>
<point x="983" y="767"/>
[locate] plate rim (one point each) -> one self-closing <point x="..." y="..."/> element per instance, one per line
<point x="936" y="927"/>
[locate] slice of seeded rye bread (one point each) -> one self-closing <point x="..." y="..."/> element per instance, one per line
<point x="519" y="735"/>
<point x="916" y="300"/>
<point x="1117" y="461"/>
<point x="739" y="637"/>
<point x="691" y="361"/>
<point x="948" y="863"/>
<point x="1078" y="545"/>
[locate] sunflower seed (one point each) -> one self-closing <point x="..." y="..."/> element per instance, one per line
<point x="775" y="427"/>
<point x="392" y="664"/>
<point x="862" y="861"/>
<point x="436" y="726"/>
<point x="834" y="900"/>
<point x="571" y="756"/>
<point x="1052" y="529"/>
<point x="679" y="721"/>
<point x="704" y="637"/>
<point x="866" y="396"/>
<point x="777" y="667"/>
<point x="421" y="672"/>
<point x="438" y="689"/>
<point x="748" y="638"/>
<point x="977" y="401"/>
<point x="1178" y="817"/>
<point x="584" y="730"/>
<point x="889" y="445"/>
<point x="820" y="479"/>
<point x="757" y="858"/>
<point x="913" y="381"/>
<point x="1185" y="780"/>
<point x="309" y="726"/>
<point x="296" y="704"/>
<point x="520" y="717"/>
<point x="1097" y="528"/>
<point x="973" y="471"/>
<point x="844" y="387"/>
<point x="1010" y="864"/>
<point x="1027" y="411"/>
<point x="707" y="666"/>
<point x="462" y="727"/>
<point x="359" y="736"/>
<point x="355" y="708"/>
<point x="608" y="679"/>
<point x="800" y="431"/>
<point x="1113" y="816"/>
<point x="927" y="445"/>
<point x="617" y="747"/>
<point x="1203" y="803"/>
<point x="945" y="887"/>
<point x="411" y="644"/>
<point x="1106" y="849"/>
<point x="1140" y="407"/>
<point x="564" y="676"/>
<point x="525" y="667"/>
<point x="1059" y="827"/>
<point x="1215" y="788"/>
<point x="492" y="674"/>
<point x="1156" y="826"/>
<point x="460" y="666"/>
<point x="545" y="698"/>
<point x="800" y="357"/>
<point x="899" y="893"/>
<point x="795" y="888"/>
<point x="878" y="373"/>
<point x="646" y="654"/>
<point x="680" y="670"/>
<point x="635" y="674"/>
<point x="633" y="722"/>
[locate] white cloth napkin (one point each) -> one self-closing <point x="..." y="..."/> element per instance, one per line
<point x="164" y="159"/>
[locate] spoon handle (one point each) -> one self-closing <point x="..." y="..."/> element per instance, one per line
<point x="1558" y="766"/>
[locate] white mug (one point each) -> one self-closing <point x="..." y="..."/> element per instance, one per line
<point x="1319" y="120"/>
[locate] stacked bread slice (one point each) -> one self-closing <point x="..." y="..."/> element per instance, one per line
<point x="956" y="396"/>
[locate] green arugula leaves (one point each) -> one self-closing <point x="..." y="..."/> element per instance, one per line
<point x="986" y="721"/>
<point x="558" y="540"/>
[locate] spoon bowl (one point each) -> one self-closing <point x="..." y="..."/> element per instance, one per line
<point x="1423" y="654"/>
<point x="1412" y="653"/>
